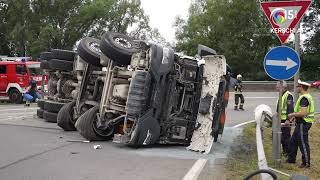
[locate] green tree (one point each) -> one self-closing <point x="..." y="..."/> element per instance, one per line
<point x="76" y="19"/>
<point x="41" y="25"/>
<point x="237" y="29"/>
<point x="4" y="42"/>
<point x="310" y="69"/>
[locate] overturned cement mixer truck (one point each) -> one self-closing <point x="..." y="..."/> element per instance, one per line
<point x="153" y="95"/>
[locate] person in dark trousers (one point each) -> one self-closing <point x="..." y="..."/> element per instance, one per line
<point x="32" y="93"/>
<point x="286" y="108"/>
<point x="238" y="93"/>
<point x="304" y="117"/>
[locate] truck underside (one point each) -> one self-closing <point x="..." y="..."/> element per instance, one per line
<point x="158" y="96"/>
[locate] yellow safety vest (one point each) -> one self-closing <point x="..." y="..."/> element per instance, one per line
<point x="309" y="118"/>
<point x="238" y="90"/>
<point x="284" y="105"/>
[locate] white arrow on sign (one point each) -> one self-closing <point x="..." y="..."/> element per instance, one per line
<point x="289" y="63"/>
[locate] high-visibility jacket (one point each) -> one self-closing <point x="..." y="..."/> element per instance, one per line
<point x="238" y="87"/>
<point x="309" y="118"/>
<point x="284" y="106"/>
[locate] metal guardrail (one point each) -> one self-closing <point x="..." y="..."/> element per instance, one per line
<point x="262" y="112"/>
<point x="264" y="82"/>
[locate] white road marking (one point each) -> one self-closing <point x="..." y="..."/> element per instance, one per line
<point x="242" y="124"/>
<point x="195" y="170"/>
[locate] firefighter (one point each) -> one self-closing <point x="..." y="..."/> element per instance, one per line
<point x="238" y="93"/>
<point x="32" y="93"/>
<point x="286" y="108"/>
<point x="304" y="117"/>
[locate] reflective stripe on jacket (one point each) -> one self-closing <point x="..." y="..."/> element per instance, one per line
<point x="309" y="118"/>
<point x="284" y="104"/>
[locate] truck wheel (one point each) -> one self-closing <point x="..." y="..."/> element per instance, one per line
<point x="45" y="65"/>
<point x="15" y="96"/>
<point x="46" y="56"/>
<point x="61" y="65"/>
<point x="40" y="103"/>
<point x="63" y="54"/>
<point x="138" y="93"/>
<point x="50" y="117"/>
<point x="118" y="47"/>
<point x="65" y="117"/>
<point x="86" y="125"/>
<point x="40" y="113"/>
<point x="89" y="50"/>
<point x="52" y="106"/>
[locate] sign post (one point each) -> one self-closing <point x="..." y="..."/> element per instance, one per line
<point x="297" y="48"/>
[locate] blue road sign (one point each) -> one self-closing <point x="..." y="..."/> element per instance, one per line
<point x="282" y="63"/>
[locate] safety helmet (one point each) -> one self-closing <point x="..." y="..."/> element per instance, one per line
<point x="239" y="76"/>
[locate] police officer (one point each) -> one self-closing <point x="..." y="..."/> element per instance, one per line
<point x="286" y="108"/>
<point x="238" y="93"/>
<point x="304" y="117"/>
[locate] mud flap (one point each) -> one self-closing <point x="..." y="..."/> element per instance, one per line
<point x="147" y="130"/>
<point x="214" y="69"/>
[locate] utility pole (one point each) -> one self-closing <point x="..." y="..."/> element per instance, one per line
<point x="297" y="48"/>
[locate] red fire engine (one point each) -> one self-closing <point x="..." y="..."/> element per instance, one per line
<point x="15" y="76"/>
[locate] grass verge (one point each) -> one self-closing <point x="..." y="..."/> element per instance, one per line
<point x="243" y="158"/>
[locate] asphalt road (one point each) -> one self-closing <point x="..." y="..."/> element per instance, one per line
<point x="252" y="100"/>
<point x="32" y="149"/>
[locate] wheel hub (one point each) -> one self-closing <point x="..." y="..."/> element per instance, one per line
<point x="123" y="42"/>
<point x="95" y="47"/>
<point x="102" y="132"/>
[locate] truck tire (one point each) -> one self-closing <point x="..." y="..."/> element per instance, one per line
<point x="138" y="93"/>
<point x="40" y="113"/>
<point x="65" y="117"/>
<point x="51" y="106"/>
<point x="40" y="103"/>
<point x="89" y="50"/>
<point x="46" y="56"/>
<point x="118" y="47"/>
<point x="61" y="65"/>
<point x="87" y="127"/>
<point x="45" y="65"/>
<point x="15" y="96"/>
<point x="50" y="117"/>
<point x="63" y="54"/>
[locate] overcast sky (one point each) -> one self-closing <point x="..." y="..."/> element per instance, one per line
<point x="163" y="12"/>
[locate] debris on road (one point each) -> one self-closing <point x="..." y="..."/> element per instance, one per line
<point x="97" y="146"/>
<point x="81" y="141"/>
